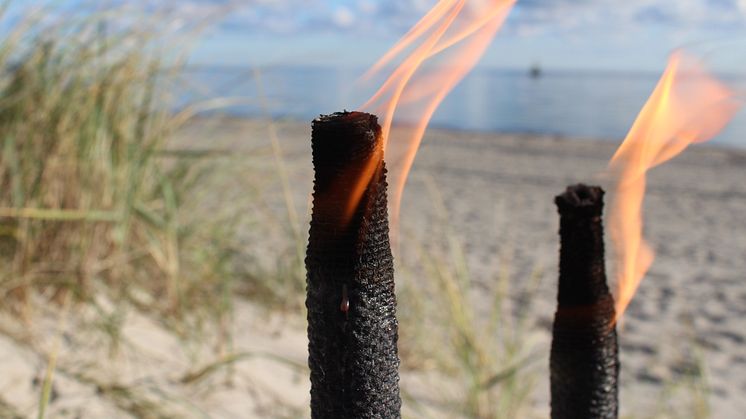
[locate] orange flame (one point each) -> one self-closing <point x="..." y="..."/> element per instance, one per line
<point x="687" y="106"/>
<point x="450" y="29"/>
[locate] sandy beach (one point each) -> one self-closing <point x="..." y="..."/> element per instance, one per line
<point x="491" y="193"/>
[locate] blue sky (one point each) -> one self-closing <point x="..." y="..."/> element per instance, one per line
<point x="629" y="35"/>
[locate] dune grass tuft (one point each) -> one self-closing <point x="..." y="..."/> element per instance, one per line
<point x="89" y="199"/>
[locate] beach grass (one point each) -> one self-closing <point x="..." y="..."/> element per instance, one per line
<point x="90" y="200"/>
<point x="485" y="357"/>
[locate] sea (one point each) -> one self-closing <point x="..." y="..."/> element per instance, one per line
<point x="572" y="104"/>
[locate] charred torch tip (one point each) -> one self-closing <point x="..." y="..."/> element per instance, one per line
<point x="346" y="118"/>
<point x="581" y="198"/>
<point x="341" y="138"/>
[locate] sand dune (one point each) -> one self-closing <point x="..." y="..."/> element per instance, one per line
<point x="690" y="312"/>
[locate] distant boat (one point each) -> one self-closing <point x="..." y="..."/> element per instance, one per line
<point x="535" y="71"/>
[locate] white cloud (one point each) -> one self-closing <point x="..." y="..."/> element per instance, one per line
<point x="343" y="17"/>
<point x="391" y="17"/>
<point x="577" y="15"/>
<point x="370" y="7"/>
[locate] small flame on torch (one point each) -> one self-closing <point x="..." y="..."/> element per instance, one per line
<point x="451" y="30"/>
<point x="687" y="106"/>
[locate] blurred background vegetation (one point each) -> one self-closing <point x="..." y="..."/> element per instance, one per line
<point x="92" y="199"/>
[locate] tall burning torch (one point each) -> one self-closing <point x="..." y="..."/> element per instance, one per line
<point x="352" y="327"/>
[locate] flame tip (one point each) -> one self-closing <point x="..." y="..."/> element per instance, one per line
<point x="445" y="28"/>
<point x="687" y="106"/>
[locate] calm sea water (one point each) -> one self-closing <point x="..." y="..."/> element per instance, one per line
<point x="570" y="104"/>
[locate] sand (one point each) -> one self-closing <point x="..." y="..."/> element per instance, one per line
<point x="498" y="189"/>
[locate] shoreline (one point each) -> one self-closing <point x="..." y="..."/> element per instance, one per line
<point x="290" y="119"/>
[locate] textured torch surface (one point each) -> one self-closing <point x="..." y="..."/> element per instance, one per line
<point x="584" y="362"/>
<point x="352" y="326"/>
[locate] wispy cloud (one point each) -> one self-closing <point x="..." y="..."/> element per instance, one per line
<point x="387" y="17"/>
<point x="692" y="14"/>
<point x="394" y="16"/>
